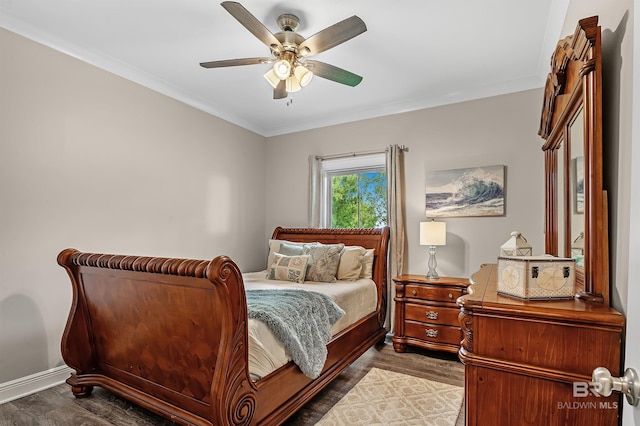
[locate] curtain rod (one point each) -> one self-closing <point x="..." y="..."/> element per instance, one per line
<point x="353" y="154"/>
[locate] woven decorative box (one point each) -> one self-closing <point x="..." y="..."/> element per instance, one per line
<point x="537" y="277"/>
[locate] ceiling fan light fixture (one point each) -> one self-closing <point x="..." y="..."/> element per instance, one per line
<point x="282" y="69"/>
<point x="293" y="85"/>
<point x="272" y="78"/>
<point x="303" y="75"/>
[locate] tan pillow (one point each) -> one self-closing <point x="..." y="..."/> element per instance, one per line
<point x="350" y="263"/>
<point x="288" y="268"/>
<point x="367" y="265"/>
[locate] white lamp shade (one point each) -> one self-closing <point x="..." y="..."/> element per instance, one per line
<point x="292" y="84"/>
<point x="282" y="69"/>
<point x="272" y="78"/>
<point x="433" y="233"/>
<point x="303" y="75"/>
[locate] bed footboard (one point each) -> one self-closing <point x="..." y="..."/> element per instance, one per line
<point x="167" y="334"/>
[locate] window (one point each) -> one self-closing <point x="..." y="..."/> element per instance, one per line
<point x="354" y="192"/>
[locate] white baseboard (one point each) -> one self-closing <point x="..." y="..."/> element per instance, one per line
<point x="34" y="383"/>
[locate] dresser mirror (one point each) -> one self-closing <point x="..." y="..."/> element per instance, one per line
<point x="571" y="124"/>
<point x="560" y="199"/>
<point x="576" y="189"/>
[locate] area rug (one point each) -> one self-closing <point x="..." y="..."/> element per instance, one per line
<point x="384" y="397"/>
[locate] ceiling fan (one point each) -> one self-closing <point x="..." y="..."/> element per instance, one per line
<point x="289" y="50"/>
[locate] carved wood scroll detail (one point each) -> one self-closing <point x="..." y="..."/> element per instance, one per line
<point x="232" y="388"/>
<point x="157" y="265"/>
<point x="466" y="323"/>
<point x="333" y="232"/>
<point x="576" y="47"/>
<point x="238" y="395"/>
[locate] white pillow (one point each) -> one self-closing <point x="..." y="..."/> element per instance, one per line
<point x="367" y="264"/>
<point x="350" y="263"/>
<point x="288" y="248"/>
<point x="288" y="268"/>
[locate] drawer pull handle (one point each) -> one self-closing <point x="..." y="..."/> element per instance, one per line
<point x="450" y="296"/>
<point x="414" y="292"/>
<point x="432" y="315"/>
<point x="431" y="332"/>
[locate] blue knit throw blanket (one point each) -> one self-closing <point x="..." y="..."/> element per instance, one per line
<point x="301" y="319"/>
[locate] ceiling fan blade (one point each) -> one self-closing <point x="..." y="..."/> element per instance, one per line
<point x="251" y="23"/>
<point x="234" y="62"/>
<point x="333" y="73"/>
<point x="333" y="36"/>
<point x="280" y="92"/>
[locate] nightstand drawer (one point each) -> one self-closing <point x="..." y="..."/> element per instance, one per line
<point x="433" y="332"/>
<point x="433" y="293"/>
<point x="431" y="314"/>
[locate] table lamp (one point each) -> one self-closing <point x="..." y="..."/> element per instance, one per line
<point x="433" y="234"/>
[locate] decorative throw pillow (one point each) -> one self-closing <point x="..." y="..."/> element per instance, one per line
<point x="367" y="264"/>
<point x="323" y="264"/>
<point x="288" y="248"/>
<point x="288" y="268"/>
<point x="350" y="263"/>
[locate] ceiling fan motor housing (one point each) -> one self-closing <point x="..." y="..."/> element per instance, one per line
<point x="288" y="22"/>
<point x="289" y="40"/>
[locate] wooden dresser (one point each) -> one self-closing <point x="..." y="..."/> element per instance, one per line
<point x="522" y="358"/>
<point x="426" y="312"/>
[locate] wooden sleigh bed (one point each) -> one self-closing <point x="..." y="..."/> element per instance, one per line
<point x="171" y="334"/>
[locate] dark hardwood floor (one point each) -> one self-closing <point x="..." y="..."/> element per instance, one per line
<point x="58" y="407"/>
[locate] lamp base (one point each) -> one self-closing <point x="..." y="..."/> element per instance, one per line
<point x="432" y="274"/>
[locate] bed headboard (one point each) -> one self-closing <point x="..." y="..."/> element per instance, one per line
<point x="370" y="238"/>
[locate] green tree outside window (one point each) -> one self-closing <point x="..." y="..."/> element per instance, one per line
<point x="359" y="200"/>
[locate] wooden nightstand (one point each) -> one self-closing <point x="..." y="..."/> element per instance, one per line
<point x="426" y="312"/>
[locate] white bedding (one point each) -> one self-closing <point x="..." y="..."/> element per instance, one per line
<point x="266" y="352"/>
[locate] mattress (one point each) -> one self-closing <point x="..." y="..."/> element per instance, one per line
<point x="266" y="352"/>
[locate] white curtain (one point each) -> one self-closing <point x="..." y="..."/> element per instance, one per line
<point x="315" y="179"/>
<point x="396" y="219"/>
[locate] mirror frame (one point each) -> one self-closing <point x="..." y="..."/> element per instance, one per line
<point x="574" y="83"/>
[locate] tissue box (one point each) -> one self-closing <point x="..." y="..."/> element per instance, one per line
<point x="537" y="277"/>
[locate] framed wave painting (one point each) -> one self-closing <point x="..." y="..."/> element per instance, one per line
<point x="475" y="191"/>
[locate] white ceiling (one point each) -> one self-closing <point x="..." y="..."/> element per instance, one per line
<point x="415" y="53"/>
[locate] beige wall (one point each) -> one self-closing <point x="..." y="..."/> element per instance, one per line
<point x="92" y="161"/>
<point x="491" y="131"/>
